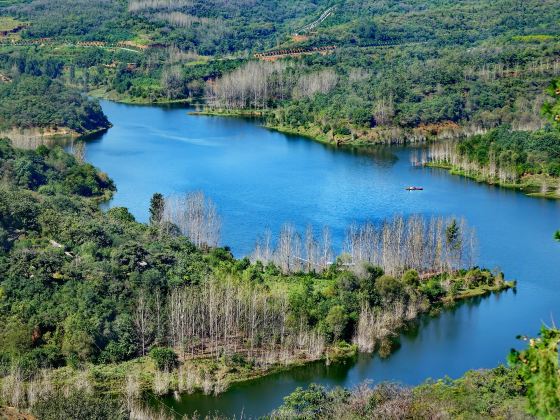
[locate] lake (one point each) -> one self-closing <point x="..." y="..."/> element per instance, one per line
<point x="261" y="179"/>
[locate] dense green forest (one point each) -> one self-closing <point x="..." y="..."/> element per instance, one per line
<point x="526" y="152"/>
<point x="40" y="102"/>
<point x="437" y="68"/>
<point x="521" y="159"/>
<point x="218" y="27"/>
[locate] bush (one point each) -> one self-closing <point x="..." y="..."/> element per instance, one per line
<point x="411" y="278"/>
<point x="78" y="406"/>
<point x="433" y="289"/>
<point x="164" y="358"/>
<point x="388" y="287"/>
<point x="342" y="131"/>
<point x="121" y="214"/>
<point x="477" y="277"/>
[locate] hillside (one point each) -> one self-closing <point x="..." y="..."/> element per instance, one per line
<point x="400" y="70"/>
<point x="39" y="103"/>
<point x="101" y="316"/>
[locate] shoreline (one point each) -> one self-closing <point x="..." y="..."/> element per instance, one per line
<point x="208" y="375"/>
<point x="30" y="138"/>
<point x="356" y="137"/>
<point x="528" y="188"/>
<point x="103" y="94"/>
<point x="312" y="133"/>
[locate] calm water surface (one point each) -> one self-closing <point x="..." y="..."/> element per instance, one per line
<point x="260" y="178"/>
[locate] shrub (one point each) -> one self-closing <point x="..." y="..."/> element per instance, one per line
<point x="164" y="358"/>
<point x="78" y="405"/>
<point x="411" y="278"/>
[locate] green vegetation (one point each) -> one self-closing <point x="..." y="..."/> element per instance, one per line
<point x="530" y="387"/>
<point x="38" y="102"/>
<point x="49" y="172"/>
<point x="8" y="23"/>
<point x="164" y="358"/>
<point x="363" y="93"/>
<point x="552" y="108"/>
<point x="79" y="405"/>
<point x="538" y="366"/>
<point x="525" y="152"/>
<point x="517" y="159"/>
<point x="96" y="310"/>
<point x="91" y="293"/>
<point x="427" y="65"/>
<point x="496" y="393"/>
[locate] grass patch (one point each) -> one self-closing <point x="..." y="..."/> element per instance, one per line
<point x="485" y="290"/>
<point x="8" y="23"/>
<point x="534" y="38"/>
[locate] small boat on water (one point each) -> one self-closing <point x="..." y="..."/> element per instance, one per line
<point x="414" y="188"/>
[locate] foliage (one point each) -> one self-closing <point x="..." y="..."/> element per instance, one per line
<point x="81" y="285"/>
<point x="39" y="102"/>
<point x="538" y="366"/>
<point x="504" y="154"/>
<point x="49" y="171"/>
<point x="307" y="403"/>
<point x="526" y="152"/>
<point x="164" y="357"/>
<point x="492" y="393"/>
<point x="483" y="64"/>
<point x="552" y="108"/>
<point x="79" y="406"/>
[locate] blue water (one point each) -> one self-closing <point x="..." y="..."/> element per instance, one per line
<point x="260" y="178"/>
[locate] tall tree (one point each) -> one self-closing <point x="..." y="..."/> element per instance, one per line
<point x="157" y="205"/>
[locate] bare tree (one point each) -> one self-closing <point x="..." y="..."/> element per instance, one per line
<point x="284" y="252"/>
<point x="400" y="244"/>
<point x="140" y="5"/>
<point x="78" y="149"/>
<point x="172" y="82"/>
<point x="384" y="111"/>
<point x="431" y="245"/>
<point x="196" y="216"/>
<point x="221" y="317"/>
<point x="318" y="82"/>
<point x="311" y="250"/>
<point x="143" y="322"/>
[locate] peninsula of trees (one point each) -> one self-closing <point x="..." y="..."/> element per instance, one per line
<point x="526" y="160"/>
<point x="35" y="105"/>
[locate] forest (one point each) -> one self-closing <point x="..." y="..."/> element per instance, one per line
<point x="84" y="288"/>
<point x="379" y="101"/>
<point x="40" y="102"/>
<point x="399" y="71"/>
<point x="522" y="159"/>
<point x="99" y="311"/>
